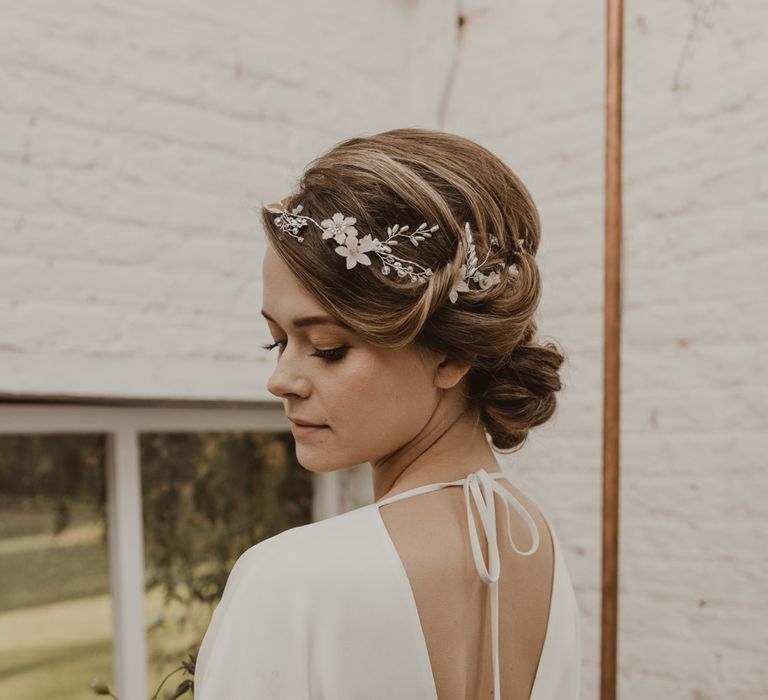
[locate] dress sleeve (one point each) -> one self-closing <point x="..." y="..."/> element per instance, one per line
<point x="256" y="645"/>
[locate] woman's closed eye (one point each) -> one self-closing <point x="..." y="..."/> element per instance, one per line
<point x="329" y="355"/>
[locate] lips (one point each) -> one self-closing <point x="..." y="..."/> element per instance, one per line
<point x="301" y="432"/>
<point x="304" y="423"/>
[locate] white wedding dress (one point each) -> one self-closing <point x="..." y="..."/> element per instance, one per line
<point x="325" y="611"/>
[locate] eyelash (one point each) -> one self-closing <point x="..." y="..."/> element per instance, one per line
<point x="331" y="355"/>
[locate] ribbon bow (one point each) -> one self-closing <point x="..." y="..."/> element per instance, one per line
<point x="486" y="507"/>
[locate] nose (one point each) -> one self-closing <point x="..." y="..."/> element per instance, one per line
<point x="287" y="378"/>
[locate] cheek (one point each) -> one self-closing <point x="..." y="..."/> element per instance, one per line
<point x="381" y="402"/>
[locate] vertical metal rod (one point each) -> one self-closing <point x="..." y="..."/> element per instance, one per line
<point x="611" y="349"/>
<point x="125" y="534"/>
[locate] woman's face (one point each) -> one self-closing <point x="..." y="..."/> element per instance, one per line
<point x="371" y="401"/>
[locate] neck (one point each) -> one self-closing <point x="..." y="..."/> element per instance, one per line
<point x="451" y="445"/>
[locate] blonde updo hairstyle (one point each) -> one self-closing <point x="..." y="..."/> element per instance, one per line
<point x="410" y="176"/>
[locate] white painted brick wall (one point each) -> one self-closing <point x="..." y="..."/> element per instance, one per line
<point x="135" y="144"/>
<point x="136" y="139"/>
<point x="694" y="608"/>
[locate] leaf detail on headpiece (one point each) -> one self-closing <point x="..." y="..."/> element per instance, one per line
<point x="470" y="270"/>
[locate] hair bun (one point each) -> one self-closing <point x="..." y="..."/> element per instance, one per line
<point x="519" y="395"/>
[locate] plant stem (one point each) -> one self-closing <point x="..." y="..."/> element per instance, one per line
<point x="154" y="697"/>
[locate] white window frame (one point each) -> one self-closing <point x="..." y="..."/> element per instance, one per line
<point x="122" y="425"/>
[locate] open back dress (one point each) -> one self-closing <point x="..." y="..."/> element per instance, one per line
<point x="325" y="611"/>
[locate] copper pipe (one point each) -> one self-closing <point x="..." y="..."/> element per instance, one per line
<point x="611" y="349"/>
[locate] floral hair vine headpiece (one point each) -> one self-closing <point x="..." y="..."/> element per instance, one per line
<point x="341" y="228"/>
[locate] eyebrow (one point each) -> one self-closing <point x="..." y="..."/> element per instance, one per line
<point x="303" y="321"/>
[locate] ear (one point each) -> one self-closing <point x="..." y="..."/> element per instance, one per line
<point x="448" y="373"/>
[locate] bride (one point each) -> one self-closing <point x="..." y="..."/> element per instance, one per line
<point x="400" y="287"/>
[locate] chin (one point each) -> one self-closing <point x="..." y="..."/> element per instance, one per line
<point x="314" y="458"/>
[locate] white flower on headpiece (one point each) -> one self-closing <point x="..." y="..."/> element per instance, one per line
<point x="460" y="285"/>
<point x="355" y="250"/>
<point x="489" y="280"/>
<point x="339" y="228"/>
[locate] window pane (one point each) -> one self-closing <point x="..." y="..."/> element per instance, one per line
<point x="55" y="607"/>
<point x="207" y="497"/>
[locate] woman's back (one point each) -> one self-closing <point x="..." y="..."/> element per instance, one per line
<point x="431" y="536"/>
